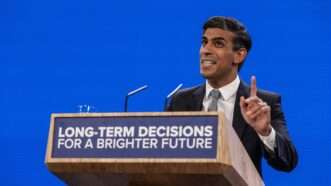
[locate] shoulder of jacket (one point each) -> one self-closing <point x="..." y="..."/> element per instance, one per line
<point x="268" y="95"/>
<point x="188" y="91"/>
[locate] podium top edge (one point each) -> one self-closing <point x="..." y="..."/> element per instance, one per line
<point x="119" y="114"/>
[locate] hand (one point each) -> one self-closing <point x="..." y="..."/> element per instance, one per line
<point x="255" y="111"/>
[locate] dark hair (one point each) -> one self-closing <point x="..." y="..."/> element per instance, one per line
<point x="241" y="39"/>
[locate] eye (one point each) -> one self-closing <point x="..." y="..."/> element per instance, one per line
<point x="218" y="44"/>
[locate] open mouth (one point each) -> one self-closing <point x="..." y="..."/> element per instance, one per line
<point x="207" y="62"/>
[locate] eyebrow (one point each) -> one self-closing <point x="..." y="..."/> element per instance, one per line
<point x="214" y="39"/>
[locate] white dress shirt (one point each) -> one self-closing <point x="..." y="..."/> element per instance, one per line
<point x="226" y="105"/>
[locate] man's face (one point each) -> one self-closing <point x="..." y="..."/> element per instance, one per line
<point x="217" y="58"/>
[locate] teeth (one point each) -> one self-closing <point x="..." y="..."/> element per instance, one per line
<point x="208" y="62"/>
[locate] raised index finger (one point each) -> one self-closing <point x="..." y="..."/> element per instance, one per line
<point x="253" y="86"/>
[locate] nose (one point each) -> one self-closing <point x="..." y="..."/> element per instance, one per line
<point x="205" y="50"/>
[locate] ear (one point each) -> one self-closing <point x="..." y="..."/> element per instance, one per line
<point x="240" y="55"/>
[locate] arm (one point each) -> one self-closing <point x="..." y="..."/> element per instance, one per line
<point x="263" y="115"/>
<point x="284" y="157"/>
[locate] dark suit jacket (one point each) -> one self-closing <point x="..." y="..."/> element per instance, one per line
<point x="284" y="157"/>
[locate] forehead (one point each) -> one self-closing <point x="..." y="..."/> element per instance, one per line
<point x="212" y="33"/>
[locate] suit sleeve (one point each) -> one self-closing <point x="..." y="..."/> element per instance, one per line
<point x="284" y="157"/>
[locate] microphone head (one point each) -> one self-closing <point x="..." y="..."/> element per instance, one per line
<point x="137" y="90"/>
<point x="174" y="91"/>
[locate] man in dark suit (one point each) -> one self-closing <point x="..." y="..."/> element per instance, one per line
<point x="256" y="115"/>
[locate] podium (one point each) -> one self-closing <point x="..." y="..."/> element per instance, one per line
<point x="145" y="149"/>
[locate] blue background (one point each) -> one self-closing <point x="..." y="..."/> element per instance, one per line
<point x="55" y="55"/>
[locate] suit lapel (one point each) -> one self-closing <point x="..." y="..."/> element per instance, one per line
<point x="197" y="98"/>
<point x="238" y="121"/>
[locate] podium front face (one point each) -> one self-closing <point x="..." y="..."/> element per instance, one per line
<point x="159" y="148"/>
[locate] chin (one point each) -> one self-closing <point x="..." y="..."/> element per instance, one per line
<point x="208" y="75"/>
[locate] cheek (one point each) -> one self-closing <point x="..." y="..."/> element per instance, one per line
<point x="226" y="57"/>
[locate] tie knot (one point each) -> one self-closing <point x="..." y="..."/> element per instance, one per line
<point x="215" y="94"/>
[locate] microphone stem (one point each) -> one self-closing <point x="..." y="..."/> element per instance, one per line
<point x="126" y="104"/>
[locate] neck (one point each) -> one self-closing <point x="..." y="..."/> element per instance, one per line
<point x="221" y="82"/>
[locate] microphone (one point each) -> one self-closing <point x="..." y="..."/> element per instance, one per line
<point x="170" y="95"/>
<point x="132" y="93"/>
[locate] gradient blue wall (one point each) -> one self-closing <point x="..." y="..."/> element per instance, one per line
<point x="55" y="55"/>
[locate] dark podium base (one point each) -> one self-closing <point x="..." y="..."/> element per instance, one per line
<point x="93" y="179"/>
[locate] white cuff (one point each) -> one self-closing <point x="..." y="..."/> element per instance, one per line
<point x="269" y="141"/>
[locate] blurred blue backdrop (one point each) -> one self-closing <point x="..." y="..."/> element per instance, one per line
<point x="55" y="55"/>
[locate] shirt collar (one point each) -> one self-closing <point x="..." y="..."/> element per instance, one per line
<point x="227" y="91"/>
